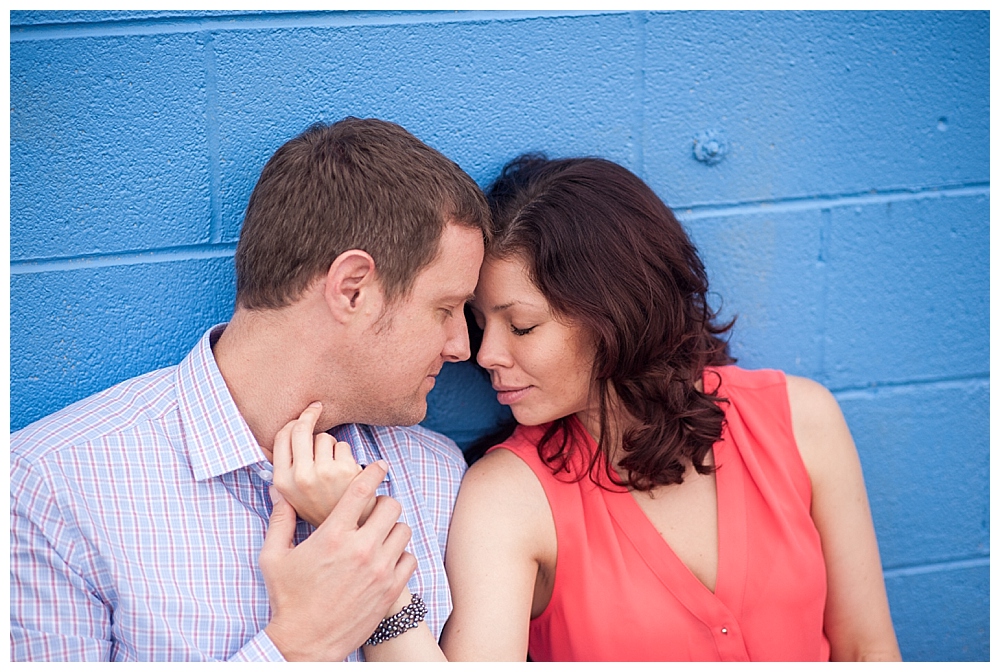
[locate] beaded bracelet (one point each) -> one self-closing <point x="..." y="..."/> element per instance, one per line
<point x="395" y="625"/>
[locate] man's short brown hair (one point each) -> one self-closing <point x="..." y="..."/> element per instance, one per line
<point x="357" y="184"/>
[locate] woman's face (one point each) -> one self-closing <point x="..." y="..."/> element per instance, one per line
<point x="540" y="366"/>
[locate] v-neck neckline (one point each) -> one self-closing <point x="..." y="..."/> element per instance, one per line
<point x="664" y="562"/>
<point x="661" y="559"/>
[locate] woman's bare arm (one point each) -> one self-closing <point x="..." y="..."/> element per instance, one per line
<point x="500" y="535"/>
<point x="856" y="619"/>
<point x="417" y="644"/>
<point x="496" y="535"/>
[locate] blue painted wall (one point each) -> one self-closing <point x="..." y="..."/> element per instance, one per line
<point x="847" y="222"/>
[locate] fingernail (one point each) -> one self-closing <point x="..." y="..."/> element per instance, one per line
<point x="316" y="404"/>
<point x="275" y="495"/>
<point x="383" y="464"/>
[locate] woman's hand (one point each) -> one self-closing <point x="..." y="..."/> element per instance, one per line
<point x="312" y="471"/>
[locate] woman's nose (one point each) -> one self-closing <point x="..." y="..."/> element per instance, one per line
<point x="492" y="353"/>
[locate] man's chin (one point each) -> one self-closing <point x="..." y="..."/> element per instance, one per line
<point x="401" y="417"/>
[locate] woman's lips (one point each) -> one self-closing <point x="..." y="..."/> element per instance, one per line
<point x="512" y="396"/>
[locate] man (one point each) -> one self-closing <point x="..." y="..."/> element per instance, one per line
<point x="137" y="515"/>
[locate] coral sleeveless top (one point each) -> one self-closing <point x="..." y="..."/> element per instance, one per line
<point x="620" y="592"/>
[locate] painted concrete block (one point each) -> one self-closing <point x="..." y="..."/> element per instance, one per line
<point x="926" y="459"/>
<point x="480" y="92"/>
<point x="815" y="103"/>
<point x="942" y="615"/>
<point x="74" y="333"/>
<point x="766" y="269"/>
<point x="909" y="291"/>
<point x="108" y="144"/>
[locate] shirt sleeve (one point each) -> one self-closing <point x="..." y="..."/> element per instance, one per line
<point x="55" y="612"/>
<point x="257" y="650"/>
<point x="56" y="609"/>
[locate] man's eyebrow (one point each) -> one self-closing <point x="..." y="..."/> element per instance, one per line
<point x="468" y="298"/>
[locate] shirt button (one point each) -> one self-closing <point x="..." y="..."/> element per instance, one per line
<point x="725" y="631"/>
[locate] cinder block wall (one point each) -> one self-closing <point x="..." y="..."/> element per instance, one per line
<point x="842" y="211"/>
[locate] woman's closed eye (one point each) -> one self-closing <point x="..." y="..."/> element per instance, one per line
<point x="521" y="332"/>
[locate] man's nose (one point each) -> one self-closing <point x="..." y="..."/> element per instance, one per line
<point x="456" y="348"/>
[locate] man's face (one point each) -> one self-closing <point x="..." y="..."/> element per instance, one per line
<point x="405" y="348"/>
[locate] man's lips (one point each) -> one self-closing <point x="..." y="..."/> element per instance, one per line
<point x="511" y="395"/>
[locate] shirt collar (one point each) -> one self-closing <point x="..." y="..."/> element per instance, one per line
<point x="218" y="439"/>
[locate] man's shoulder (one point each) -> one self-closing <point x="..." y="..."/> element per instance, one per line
<point x="421" y="445"/>
<point x="118" y="409"/>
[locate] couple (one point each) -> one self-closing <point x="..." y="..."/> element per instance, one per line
<point x="655" y="502"/>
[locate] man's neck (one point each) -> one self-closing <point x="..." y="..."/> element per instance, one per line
<point x="269" y="365"/>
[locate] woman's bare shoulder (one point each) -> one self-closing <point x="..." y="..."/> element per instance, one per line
<point x="501" y="477"/>
<point x="813" y="407"/>
<point x="819" y="426"/>
<point x="501" y="493"/>
<point x="809" y="396"/>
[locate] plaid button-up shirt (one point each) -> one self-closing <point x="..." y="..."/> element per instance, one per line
<point x="137" y="516"/>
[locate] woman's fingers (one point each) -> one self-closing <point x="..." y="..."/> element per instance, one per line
<point x="281" y="452"/>
<point x="323" y="449"/>
<point x="313" y="471"/>
<point x="342" y="454"/>
<point x="303" y="431"/>
<point x="360" y="496"/>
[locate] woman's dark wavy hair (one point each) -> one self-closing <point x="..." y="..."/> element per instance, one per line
<point x="608" y="254"/>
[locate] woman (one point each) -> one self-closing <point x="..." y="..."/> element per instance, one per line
<point x="655" y="503"/>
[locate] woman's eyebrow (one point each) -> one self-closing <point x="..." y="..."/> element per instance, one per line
<point x="505" y="306"/>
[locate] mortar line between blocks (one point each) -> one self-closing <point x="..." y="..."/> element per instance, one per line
<point x="825" y="233"/>
<point x="214" y="142"/>
<point x="860" y="391"/>
<point x="932" y="567"/>
<point x="124" y="258"/>
<point x="823" y="201"/>
<point x="306" y="19"/>
<point x="639" y="20"/>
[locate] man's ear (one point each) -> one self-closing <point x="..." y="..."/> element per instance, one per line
<point x="351" y="285"/>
